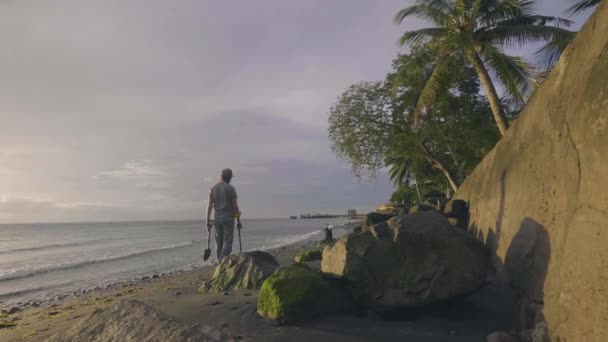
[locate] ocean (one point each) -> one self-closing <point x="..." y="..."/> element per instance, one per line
<point x="42" y="261"/>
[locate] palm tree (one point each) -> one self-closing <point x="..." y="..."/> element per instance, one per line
<point x="476" y="32"/>
<point x="580" y="6"/>
<point x="401" y="171"/>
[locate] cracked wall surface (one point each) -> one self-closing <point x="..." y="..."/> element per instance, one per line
<point x="539" y="199"/>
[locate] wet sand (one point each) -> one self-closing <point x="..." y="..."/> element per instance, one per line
<point x="234" y="312"/>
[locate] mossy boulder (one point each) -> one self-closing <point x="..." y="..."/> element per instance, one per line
<point x="408" y="261"/>
<point x="244" y="271"/>
<point x="309" y="255"/>
<point x="297" y="292"/>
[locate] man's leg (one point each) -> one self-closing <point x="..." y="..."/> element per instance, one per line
<point x="219" y="239"/>
<point x="228" y="227"/>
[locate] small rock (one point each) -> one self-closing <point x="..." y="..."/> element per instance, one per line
<point x="178" y="293"/>
<point x="13" y="310"/>
<point x="226" y="293"/>
<point x="156" y="276"/>
<point x="247" y="294"/>
<point x="214" y="303"/>
<point x="145" y="278"/>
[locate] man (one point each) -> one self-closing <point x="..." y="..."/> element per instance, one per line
<point x="329" y="236"/>
<point x="222" y="199"/>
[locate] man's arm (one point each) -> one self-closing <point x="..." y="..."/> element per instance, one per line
<point x="209" y="209"/>
<point x="237" y="211"/>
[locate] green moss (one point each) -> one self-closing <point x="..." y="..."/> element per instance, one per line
<point x="292" y="293"/>
<point x="309" y="255"/>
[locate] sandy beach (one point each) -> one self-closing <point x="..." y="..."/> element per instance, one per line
<point x="234" y="313"/>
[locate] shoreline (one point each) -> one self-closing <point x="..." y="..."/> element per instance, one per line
<point x="234" y="313"/>
<point x="19" y="320"/>
<point x="17" y="304"/>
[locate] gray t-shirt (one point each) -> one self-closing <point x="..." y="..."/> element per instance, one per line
<point x="223" y="196"/>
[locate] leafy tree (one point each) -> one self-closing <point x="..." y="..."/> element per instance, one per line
<point x="361" y="125"/>
<point x="371" y="127"/>
<point x="405" y="194"/>
<point x="475" y="32"/>
<point x="580" y="6"/>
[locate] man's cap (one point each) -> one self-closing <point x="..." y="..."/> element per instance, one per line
<point x="227" y="173"/>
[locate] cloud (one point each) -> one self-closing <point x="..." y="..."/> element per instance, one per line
<point x="141" y="172"/>
<point x="40" y="210"/>
<point x="116" y="110"/>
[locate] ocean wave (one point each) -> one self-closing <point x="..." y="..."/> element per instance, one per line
<point x="30" y="272"/>
<point x="273" y="244"/>
<point x="289" y="240"/>
<point x="59" y="245"/>
<point x="7" y="295"/>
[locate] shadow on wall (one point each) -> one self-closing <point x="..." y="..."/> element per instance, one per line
<point x="526" y="264"/>
<point x="524" y="268"/>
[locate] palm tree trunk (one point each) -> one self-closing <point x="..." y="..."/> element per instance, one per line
<point x="488" y="86"/>
<point x="446" y="173"/>
<point x="417" y="188"/>
<point x="439" y="166"/>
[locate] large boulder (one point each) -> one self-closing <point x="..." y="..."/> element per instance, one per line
<point x="457" y="212"/>
<point x="408" y="261"/>
<point x="374" y="218"/>
<point x="133" y="321"/>
<point x="297" y="292"/>
<point x="421" y="207"/>
<point x="244" y="271"/>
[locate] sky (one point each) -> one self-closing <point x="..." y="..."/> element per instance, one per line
<point x="128" y="109"/>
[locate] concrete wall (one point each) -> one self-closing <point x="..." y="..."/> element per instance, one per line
<point x="540" y="198"/>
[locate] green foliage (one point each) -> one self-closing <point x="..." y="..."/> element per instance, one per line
<point x="361" y="124"/>
<point x="309" y="255"/>
<point x="580" y="6"/>
<point x="475" y="32"/>
<point x="371" y="126"/>
<point x="404" y="194"/>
